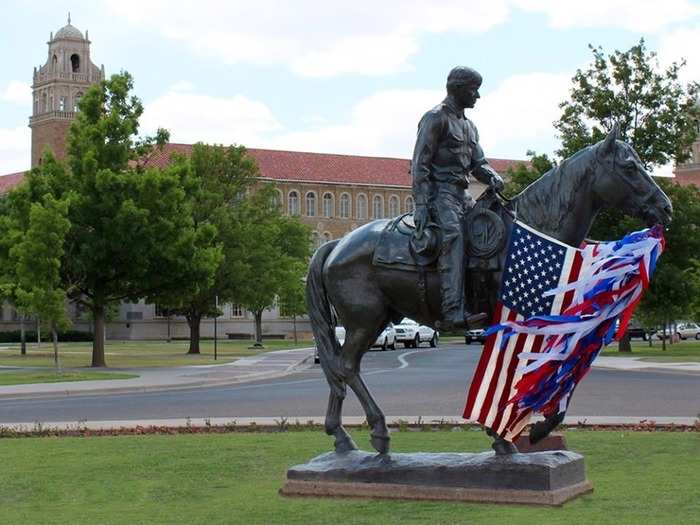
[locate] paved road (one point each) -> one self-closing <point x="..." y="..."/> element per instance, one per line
<point x="426" y="382"/>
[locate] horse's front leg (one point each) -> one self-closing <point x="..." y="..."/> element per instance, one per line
<point x="500" y="445"/>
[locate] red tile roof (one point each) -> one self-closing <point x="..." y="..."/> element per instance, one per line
<point x="306" y="167"/>
<point x="7" y="182"/>
<point x="323" y="167"/>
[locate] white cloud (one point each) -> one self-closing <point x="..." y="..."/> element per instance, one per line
<point x="642" y="16"/>
<point x="15" y="149"/>
<point x="17" y="93"/>
<point x="312" y="37"/>
<point x="682" y="43"/>
<point x="517" y="116"/>
<point x="193" y="117"/>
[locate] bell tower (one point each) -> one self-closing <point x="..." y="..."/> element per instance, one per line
<point x="57" y="88"/>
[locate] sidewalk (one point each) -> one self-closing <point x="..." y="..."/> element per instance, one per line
<point x="264" y="366"/>
<point x="635" y="364"/>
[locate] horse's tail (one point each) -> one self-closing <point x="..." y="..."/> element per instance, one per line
<point x="323" y="319"/>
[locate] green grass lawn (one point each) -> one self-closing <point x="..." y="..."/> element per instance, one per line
<point x="24" y="378"/>
<point x="684" y="351"/>
<point x="128" y="354"/>
<point x="639" y="478"/>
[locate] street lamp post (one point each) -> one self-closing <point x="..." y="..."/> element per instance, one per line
<point x="216" y="315"/>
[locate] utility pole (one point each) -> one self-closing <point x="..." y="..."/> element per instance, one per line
<point x="216" y="315"/>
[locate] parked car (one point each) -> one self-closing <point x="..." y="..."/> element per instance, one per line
<point x="477" y="335"/>
<point x="386" y="340"/>
<point x="411" y="334"/>
<point x="635" y="330"/>
<point x="684" y="330"/>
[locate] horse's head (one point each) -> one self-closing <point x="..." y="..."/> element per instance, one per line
<point x="623" y="183"/>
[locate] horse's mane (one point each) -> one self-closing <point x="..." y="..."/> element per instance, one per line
<point x="553" y="191"/>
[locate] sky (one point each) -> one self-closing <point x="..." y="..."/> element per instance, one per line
<point x="336" y="76"/>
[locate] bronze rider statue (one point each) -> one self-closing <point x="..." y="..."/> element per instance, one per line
<point x="447" y="151"/>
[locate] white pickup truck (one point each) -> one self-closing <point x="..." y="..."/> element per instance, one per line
<point x="411" y="334"/>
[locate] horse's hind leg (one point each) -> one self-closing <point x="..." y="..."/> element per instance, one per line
<point x="343" y="441"/>
<point x="379" y="436"/>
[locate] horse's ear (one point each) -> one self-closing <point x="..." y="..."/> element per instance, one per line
<point x="608" y="145"/>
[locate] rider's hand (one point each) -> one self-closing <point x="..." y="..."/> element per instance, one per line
<point x="420" y="218"/>
<point x="497" y="182"/>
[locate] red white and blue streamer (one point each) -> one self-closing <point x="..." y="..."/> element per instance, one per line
<point x="550" y="354"/>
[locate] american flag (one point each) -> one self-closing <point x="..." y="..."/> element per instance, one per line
<point x="535" y="264"/>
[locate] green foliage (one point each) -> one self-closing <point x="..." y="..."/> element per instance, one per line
<point x="522" y="175"/>
<point x="275" y="253"/>
<point x="657" y="114"/>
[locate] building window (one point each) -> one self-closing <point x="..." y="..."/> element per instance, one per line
<point x="394" y="206"/>
<point x="54" y="62"/>
<point x="377" y="207"/>
<point x="293" y="203"/>
<point x="277" y="199"/>
<point x="327" y="237"/>
<point x="237" y="311"/>
<point x="75" y="63"/>
<point x="45" y="101"/>
<point x="328" y="210"/>
<point x="61" y="103"/>
<point x="410" y="204"/>
<point x="345" y="206"/>
<point x="361" y="206"/>
<point x="311" y="204"/>
<point x="76" y="101"/>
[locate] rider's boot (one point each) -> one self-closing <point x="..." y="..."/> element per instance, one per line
<point x="461" y="321"/>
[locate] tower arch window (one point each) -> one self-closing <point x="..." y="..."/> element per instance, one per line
<point x="394" y="206"/>
<point x="328" y="206"/>
<point x="377" y="207"/>
<point x="75" y="63"/>
<point x="410" y="204"/>
<point x="45" y="102"/>
<point x="54" y="63"/>
<point x="61" y="103"/>
<point x="311" y="204"/>
<point x="345" y="206"/>
<point x="293" y="203"/>
<point x="362" y="206"/>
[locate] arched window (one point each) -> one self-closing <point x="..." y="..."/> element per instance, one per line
<point x="311" y="204"/>
<point x="61" y="103"/>
<point x="327" y="237"/>
<point x="377" y="207"/>
<point x="293" y="203"/>
<point x="277" y="199"/>
<point x="328" y="210"/>
<point x="410" y="204"/>
<point x="361" y="206"/>
<point x="345" y="206"/>
<point x="54" y="63"/>
<point x="394" y="206"/>
<point x="45" y="101"/>
<point x="75" y="63"/>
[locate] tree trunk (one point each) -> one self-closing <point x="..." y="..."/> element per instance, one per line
<point x="194" y="320"/>
<point x="625" y="343"/>
<point x="258" y="327"/>
<point x="98" y="341"/>
<point x="54" y="338"/>
<point x="22" y="336"/>
<point x="294" y="321"/>
<point x="38" y="332"/>
<point x="169" y="336"/>
<point x="663" y="339"/>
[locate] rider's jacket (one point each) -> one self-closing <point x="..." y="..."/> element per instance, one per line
<point x="447" y="150"/>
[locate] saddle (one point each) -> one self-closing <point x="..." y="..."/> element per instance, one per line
<point x="484" y="235"/>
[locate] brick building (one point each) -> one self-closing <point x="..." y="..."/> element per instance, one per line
<point x="333" y="194"/>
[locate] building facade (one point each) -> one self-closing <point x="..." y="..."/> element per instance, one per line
<point x="332" y="194"/>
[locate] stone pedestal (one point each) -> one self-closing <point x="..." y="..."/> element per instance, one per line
<point x="540" y="478"/>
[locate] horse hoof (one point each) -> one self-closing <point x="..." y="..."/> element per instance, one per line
<point x="344" y="444"/>
<point x="504" y="448"/>
<point x="380" y="443"/>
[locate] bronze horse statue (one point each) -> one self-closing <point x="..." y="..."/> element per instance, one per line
<point x="344" y="283"/>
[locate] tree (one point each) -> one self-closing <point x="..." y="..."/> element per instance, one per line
<point x="522" y="175"/>
<point x="658" y="116"/>
<point x="131" y="230"/>
<point x="216" y="180"/>
<point x="38" y="263"/>
<point x="275" y="254"/>
<point x="292" y="300"/>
